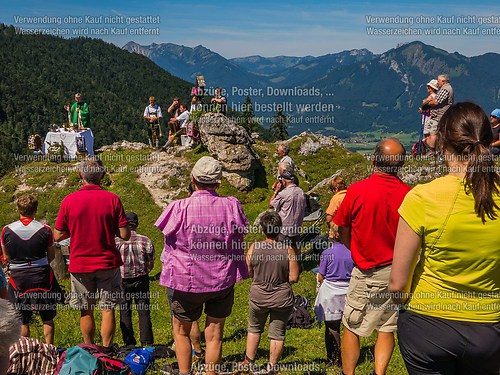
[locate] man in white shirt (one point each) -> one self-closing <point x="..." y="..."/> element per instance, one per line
<point x="175" y="124"/>
<point x="183" y="115"/>
<point x="153" y="116"/>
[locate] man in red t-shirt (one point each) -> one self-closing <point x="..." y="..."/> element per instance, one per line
<point x="368" y="220"/>
<point x="92" y="216"/>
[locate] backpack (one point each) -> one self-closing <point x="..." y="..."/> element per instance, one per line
<point x="90" y="359"/>
<point x="301" y="301"/>
<point x="140" y="360"/>
<point x="300" y="316"/>
<point x="31" y="356"/>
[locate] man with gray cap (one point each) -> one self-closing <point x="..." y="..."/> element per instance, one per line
<point x="203" y="259"/>
<point x="289" y="201"/>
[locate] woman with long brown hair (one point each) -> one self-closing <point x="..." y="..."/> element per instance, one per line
<point x="447" y="256"/>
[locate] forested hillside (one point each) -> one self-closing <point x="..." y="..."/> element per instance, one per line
<point x="41" y="73"/>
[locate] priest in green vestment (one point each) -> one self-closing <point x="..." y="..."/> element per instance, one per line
<point x="79" y="112"/>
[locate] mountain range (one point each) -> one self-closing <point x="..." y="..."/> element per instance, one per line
<point x="359" y="90"/>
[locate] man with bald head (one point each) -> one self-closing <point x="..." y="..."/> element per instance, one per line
<point x="368" y="220"/>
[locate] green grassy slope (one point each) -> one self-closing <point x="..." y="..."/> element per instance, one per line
<point x="52" y="182"/>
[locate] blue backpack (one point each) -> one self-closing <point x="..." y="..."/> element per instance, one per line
<point x="140" y="360"/>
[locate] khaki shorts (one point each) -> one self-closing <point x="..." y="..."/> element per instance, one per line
<point x="430" y="126"/>
<point x="278" y="318"/>
<point x="103" y="285"/>
<point x="368" y="303"/>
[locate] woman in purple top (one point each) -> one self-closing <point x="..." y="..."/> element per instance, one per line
<point x="334" y="274"/>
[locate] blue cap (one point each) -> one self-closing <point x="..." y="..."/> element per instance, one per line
<point x="496" y="113"/>
<point x="287" y="175"/>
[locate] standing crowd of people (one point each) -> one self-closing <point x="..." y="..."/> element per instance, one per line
<point x="422" y="262"/>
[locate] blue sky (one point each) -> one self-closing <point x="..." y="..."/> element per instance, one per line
<point x="271" y="28"/>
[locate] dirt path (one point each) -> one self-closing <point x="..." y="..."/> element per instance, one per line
<point x="165" y="177"/>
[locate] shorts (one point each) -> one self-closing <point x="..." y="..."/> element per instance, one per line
<point x="189" y="306"/>
<point x="278" y="318"/>
<point x="431" y="126"/>
<point x="45" y="315"/>
<point x="35" y="289"/>
<point x="432" y="345"/>
<point x="368" y="304"/>
<point x="105" y="285"/>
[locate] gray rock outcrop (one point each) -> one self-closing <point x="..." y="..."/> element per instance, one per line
<point x="314" y="142"/>
<point x="231" y="145"/>
<point x="309" y="147"/>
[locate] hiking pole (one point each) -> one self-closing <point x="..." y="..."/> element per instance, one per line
<point x="420" y="140"/>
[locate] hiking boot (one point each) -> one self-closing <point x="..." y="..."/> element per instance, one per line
<point x="334" y="361"/>
<point x="125" y="349"/>
<point x="272" y="369"/>
<point x="245" y="367"/>
<point x="198" y="357"/>
<point x="162" y="351"/>
<point x="112" y="350"/>
<point x="172" y="369"/>
<point x="198" y="369"/>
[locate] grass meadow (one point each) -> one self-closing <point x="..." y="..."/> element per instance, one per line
<point x="304" y="351"/>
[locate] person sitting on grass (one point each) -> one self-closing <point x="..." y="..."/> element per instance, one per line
<point x="274" y="267"/>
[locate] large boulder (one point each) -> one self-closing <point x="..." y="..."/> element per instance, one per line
<point x="231" y="145"/>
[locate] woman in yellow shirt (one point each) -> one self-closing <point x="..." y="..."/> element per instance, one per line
<point x="446" y="263"/>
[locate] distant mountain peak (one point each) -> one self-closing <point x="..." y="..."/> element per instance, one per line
<point x="137" y="48"/>
<point x="359" y="52"/>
